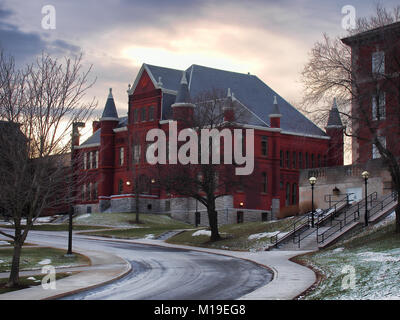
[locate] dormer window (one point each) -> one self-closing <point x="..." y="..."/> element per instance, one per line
<point x="378" y="62"/>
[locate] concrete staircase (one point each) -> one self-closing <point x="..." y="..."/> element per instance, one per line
<point x="334" y="225"/>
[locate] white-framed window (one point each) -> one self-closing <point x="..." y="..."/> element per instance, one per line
<point x="378" y="62"/>
<point x="121" y="156"/>
<point x="379" y="106"/>
<point x="84" y="161"/>
<point x="96" y="159"/>
<point x="375" y="152"/>
<point x="90" y="160"/>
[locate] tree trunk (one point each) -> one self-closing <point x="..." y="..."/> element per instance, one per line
<point x="13" y="280"/>
<point x="213" y="219"/>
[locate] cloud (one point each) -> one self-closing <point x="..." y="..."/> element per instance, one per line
<point x="25" y="45"/>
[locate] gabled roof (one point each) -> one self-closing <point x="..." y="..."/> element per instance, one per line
<point x="249" y="90"/>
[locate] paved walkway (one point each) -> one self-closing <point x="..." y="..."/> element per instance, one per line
<point x="104" y="268"/>
<point x="290" y="279"/>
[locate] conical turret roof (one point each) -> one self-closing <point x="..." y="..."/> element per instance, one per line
<point x="334" y="116"/>
<point x="183" y="92"/>
<point x="110" y="111"/>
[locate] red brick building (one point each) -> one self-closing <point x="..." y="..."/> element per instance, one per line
<point x="375" y="66"/>
<point x="285" y="141"/>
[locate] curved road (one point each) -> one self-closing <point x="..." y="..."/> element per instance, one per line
<point x="160" y="273"/>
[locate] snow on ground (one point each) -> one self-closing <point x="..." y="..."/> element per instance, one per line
<point x="201" y="233"/>
<point x="45" y="261"/>
<point x="2" y="243"/>
<point x="258" y="236"/>
<point x="31" y="278"/>
<point x="149" y="236"/>
<point x="2" y="261"/>
<point x="83" y="216"/>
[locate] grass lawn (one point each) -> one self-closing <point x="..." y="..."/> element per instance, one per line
<point x="151" y="225"/>
<point x="56" y="227"/>
<point x="29" y="281"/>
<point x="372" y="256"/>
<point x="243" y="236"/>
<point x="35" y="258"/>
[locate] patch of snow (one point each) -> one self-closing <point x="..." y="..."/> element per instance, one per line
<point x="45" y="261"/>
<point x="338" y="250"/>
<point x="2" y="261"/>
<point x="3" y="243"/>
<point x="378" y="257"/>
<point x="202" y="233"/>
<point x="31" y="278"/>
<point x="149" y="236"/>
<point x="83" y="216"/>
<point x="258" y="236"/>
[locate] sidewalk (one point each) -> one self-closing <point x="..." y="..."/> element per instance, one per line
<point x="104" y="268"/>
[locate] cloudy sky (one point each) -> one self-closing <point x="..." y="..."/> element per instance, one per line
<point x="270" y="39"/>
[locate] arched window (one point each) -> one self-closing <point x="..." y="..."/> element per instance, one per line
<point x="287" y="159"/>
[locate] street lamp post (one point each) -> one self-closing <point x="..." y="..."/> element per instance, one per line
<point x="75" y="133"/>
<point x="312" y="181"/>
<point x="365" y="175"/>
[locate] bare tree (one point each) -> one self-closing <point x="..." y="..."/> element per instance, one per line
<point x="38" y="105"/>
<point x="335" y="71"/>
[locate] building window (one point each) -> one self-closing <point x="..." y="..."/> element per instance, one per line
<point x="379" y="106"/>
<point x="83" y="192"/>
<point x="135" y="115"/>
<point x="287" y="200"/>
<point x="151" y="113"/>
<point x="88" y="191"/>
<point x="312" y="161"/>
<point x="294" y="160"/>
<point x="264" y="145"/>
<point x="96" y="159"/>
<point x="95" y="191"/>
<point x="121" y="156"/>
<point x="90" y="164"/>
<point x="300" y="160"/>
<point x="375" y="152"/>
<point x="307" y="162"/>
<point x="281" y="159"/>
<point x="287" y="159"/>
<point x="294" y="193"/>
<point x="264" y="182"/>
<point x="325" y="161"/>
<point x="120" y="186"/>
<point x="143" y="114"/>
<point x="378" y="62"/>
<point x="84" y="161"/>
<point x="136" y="153"/>
<point x="319" y="161"/>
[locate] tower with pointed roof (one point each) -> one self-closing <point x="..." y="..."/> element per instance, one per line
<point x="108" y="121"/>
<point x="183" y="108"/>
<point x="335" y="130"/>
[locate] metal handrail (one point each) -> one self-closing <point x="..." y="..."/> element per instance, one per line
<point x="352" y="214"/>
<point x="306" y="224"/>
